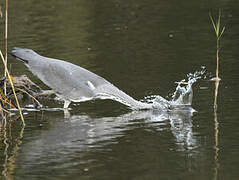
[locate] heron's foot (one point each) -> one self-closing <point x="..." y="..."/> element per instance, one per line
<point x="66" y="104"/>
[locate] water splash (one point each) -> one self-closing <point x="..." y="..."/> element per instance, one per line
<point x="183" y="94"/>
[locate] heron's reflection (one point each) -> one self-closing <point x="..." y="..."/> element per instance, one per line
<point x="80" y="133"/>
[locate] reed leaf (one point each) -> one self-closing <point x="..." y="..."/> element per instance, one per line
<point x="214" y="26"/>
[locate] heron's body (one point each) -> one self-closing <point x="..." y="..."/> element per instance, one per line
<point x="72" y="82"/>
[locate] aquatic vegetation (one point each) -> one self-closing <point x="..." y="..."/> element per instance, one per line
<point x="219" y="32"/>
<point x="7" y="74"/>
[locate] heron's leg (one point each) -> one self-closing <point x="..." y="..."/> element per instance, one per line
<point x="66" y="104"/>
<point x="67" y="114"/>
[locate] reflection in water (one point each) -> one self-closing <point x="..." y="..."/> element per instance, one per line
<point x="10" y="153"/>
<point x="216" y="131"/>
<point x="181" y="126"/>
<point x="76" y="136"/>
<point x="216" y="144"/>
<point x="5" y="141"/>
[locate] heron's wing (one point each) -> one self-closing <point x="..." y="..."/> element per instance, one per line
<point x="66" y="79"/>
<point x="82" y="75"/>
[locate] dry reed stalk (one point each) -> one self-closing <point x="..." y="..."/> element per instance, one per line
<point x="6" y="35"/>
<point x="29" y="95"/>
<point x="4" y="99"/>
<point x="12" y="86"/>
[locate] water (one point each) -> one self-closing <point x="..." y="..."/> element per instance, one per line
<point x="181" y="97"/>
<point x="142" y="47"/>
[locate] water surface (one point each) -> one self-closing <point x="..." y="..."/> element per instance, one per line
<point x="142" y="47"/>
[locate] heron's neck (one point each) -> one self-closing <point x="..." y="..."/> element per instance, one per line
<point x="135" y="104"/>
<point x="120" y="96"/>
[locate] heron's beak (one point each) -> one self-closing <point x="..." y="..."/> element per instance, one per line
<point x="14" y="55"/>
<point x="11" y="53"/>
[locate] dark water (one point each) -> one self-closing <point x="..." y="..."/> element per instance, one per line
<point x="142" y="47"/>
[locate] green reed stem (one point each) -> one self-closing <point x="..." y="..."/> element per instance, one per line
<point x="219" y="32"/>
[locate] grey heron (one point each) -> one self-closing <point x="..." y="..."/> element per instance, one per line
<point x="71" y="82"/>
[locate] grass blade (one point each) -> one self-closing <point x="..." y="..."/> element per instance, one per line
<point x="223" y="29"/>
<point x="214" y="26"/>
<point x="218" y="23"/>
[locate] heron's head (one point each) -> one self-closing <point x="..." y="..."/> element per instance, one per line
<point x="23" y="54"/>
